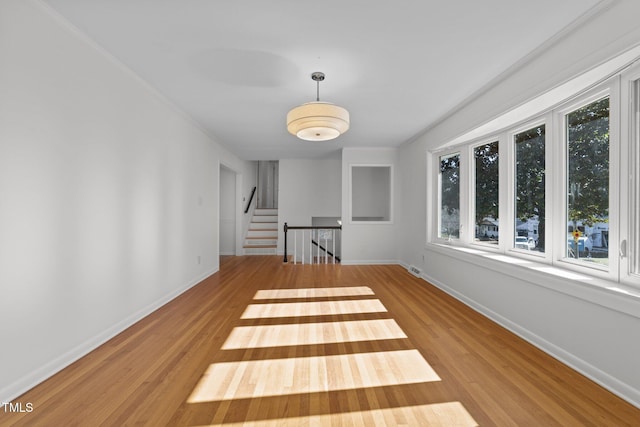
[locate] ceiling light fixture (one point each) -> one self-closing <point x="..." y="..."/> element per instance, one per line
<point x="317" y="121"/>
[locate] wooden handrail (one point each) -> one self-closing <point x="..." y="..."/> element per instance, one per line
<point x="253" y="192"/>
<point x="311" y="227"/>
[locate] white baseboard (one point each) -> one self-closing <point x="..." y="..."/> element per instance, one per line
<point x="602" y="378"/>
<point x="24" y="384"/>
<point x="369" y="262"/>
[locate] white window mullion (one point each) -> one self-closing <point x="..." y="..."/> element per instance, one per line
<point x="466" y="196"/>
<point x="615" y="213"/>
<point x="557" y="191"/>
<point x="505" y="195"/>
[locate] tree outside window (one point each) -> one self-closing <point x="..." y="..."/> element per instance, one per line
<point x="587" y="131"/>
<point x="450" y="196"/>
<point x="530" y="187"/>
<point x="486" y="189"/>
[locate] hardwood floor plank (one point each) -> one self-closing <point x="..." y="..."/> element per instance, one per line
<point x="321" y="345"/>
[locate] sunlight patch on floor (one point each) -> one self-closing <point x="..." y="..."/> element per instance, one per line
<point x="278" y="377"/>
<point x="312" y="333"/>
<point x="347" y="291"/>
<point x="434" y="415"/>
<point x="319" y="308"/>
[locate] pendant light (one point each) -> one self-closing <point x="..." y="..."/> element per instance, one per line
<point x="318" y="121"/>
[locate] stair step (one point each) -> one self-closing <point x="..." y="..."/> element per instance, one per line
<point x="259" y="211"/>
<point x="262" y="234"/>
<point x="263" y="225"/>
<point x="264" y="218"/>
<point x="261" y="242"/>
<point x="260" y="246"/>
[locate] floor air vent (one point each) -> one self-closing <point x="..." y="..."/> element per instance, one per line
<point x="414" y="270"/>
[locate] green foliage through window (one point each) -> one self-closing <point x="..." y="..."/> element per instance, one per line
<point x="587" y="132"/>
<point x="450" y="196"/>
<point x="530" y="185"/>
<point x="486" y="189"/>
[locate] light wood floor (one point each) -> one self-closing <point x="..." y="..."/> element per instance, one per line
<point x="265" y="343"/>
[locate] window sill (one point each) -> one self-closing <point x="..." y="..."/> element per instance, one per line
<point x="612" y="295"/>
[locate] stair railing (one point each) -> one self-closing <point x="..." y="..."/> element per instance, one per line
<point x="315" y="239"/>
<point x="253" y="193"/>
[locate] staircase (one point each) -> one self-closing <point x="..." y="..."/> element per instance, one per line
<point x="262" y="236"/>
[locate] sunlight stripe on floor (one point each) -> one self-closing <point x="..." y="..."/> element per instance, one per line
<point x="278" y="377"/>
<point x="312" y="333"/>
<point x="345" y="291"/>
<point x="319" y="308"/>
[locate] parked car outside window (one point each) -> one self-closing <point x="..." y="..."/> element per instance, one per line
<point x="523" y="242"/>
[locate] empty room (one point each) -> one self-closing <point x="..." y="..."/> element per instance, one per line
<point x="300" y="213"/>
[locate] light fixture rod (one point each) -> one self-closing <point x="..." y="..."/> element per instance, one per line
<point x="317" y="77"/>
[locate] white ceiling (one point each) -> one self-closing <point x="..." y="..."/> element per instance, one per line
<point x="238" y="66"/>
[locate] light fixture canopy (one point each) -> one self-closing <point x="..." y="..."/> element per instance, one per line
<point x="317" y="121"/>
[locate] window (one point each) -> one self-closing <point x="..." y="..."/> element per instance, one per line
<point x="530" y="189"/>
<point x="449" y="197"/>
<point x="487" y="225"/>
<point x="587" y="184"/>
<point x="560" y="188"/>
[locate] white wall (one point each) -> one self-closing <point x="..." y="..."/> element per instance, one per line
<point x="227" y="211"/>
<point x="369" y="243"/>
<point x="599" y="340"/>
<point x="108" y="197"/>
<point x="308" y="188"/>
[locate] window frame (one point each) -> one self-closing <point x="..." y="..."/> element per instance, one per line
<point x="545" y="120"/>
<point x="495" y="138"/>
<point x="560" y="205"/>
<point x="629" y="226"/>
<point x="438" y="192"/>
